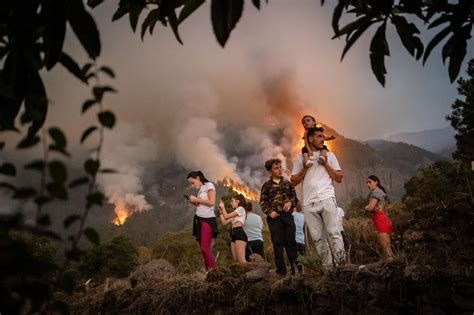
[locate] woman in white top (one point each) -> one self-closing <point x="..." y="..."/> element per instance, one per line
<point x="237" y="219"/>
<point x="204" y="223"/>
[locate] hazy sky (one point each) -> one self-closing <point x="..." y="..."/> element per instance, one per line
<point x="291" y="38"/>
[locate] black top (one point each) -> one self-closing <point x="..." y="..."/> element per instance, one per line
<point x="197" y="226"/>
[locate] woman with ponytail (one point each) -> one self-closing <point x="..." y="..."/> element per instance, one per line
<point x="237" y="220"/>
<point x="383" y="225"/>
<point x="204" y="223"/>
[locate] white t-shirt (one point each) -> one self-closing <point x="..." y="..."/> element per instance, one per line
<point x="253" y="227"/>
<point x="317" y="184"/>
<point x="204" y="211"/>
<point x="241" y="216"/>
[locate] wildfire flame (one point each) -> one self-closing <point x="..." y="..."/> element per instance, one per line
<point x="300" y="144"/>
<point x="239" y="188"/>
<point x="122" y="212"/>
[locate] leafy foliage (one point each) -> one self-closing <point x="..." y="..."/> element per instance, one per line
<point x="456" y="18"/>
<point x="462" y="117"/>
<point x="115" y="258"/>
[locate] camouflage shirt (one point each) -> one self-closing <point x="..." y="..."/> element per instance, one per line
<point x="274" y="195"/>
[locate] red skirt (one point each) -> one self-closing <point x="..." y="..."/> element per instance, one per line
<point x="381" y="222"/>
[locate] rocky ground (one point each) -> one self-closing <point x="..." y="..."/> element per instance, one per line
<point x="388" y="288"/>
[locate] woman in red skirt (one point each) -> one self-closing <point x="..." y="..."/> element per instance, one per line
<point x="376" y="205"/>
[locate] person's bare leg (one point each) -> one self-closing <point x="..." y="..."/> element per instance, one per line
<point x="240" y="251"/>
<point x="233" y="249"/>
<point x="384" y="241"/>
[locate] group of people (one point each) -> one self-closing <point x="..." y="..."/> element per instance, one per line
<point x="316" y="168"/>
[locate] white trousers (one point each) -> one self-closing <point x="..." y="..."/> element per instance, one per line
<point x="322" y="222"/>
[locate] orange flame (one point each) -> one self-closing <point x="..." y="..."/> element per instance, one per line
<point x="300" y="144"/>
<point x="121" y="214"/>
<point x="239" y="188"/>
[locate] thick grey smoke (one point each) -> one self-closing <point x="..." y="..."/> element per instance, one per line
<point x="128" y="151"/>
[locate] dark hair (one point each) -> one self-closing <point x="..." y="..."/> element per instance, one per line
<point x="248" y="207"/>
<point x="269" y="163"/>
<point x="312" y="131"/>
<point x="198" y="174"/>
<point x="314" y="119"/>
<point x="241" y="199"/>
<point x="376" y="179"/>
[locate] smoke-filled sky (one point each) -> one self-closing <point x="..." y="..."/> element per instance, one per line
<point x="285" y="37"/>
<point x="227" y="110"/>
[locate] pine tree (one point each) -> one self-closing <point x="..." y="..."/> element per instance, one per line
<point x="462" y="117"/>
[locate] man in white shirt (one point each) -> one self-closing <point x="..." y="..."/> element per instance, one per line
<point x="319" y="198"/>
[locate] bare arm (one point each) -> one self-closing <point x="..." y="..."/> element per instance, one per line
<point x="211" y="195"/>
<point x="224" y="221"/>
<point x="372" y="204"/>
<point x="336" y="175"/>
<point x="223" y="212"/>
<point x="298" y="178"/>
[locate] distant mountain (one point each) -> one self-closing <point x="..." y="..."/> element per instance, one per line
<point x="434" y="140"/>
<point x="393" y="162"/>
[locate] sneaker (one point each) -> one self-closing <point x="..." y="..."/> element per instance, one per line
<point x="321" y="160"/>
<point x="309" y="163"/>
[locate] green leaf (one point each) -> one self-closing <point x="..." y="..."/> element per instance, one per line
<point x="256" y="4"/>
<point x="37" y="165"/>
<point x="123" y="9"/>
<point x="351" y="39"/>
<point x="88" y="104"/>
<point x="70" y="220"/>
<point x="108" y="71"/>
<point x="134" y="14"/>
<point x="150" y="21"/>
<point x="72" y="67"/>
<point x="79" y="181"/>
<point x="442" y="19"/>
<point x="225" y="14"/>
<point x="96" y="198"/>
<point x="458" y="51"/>
<point x="93" y="3"/>
<point x="44" y="220"/>
<point x="8" y="169"/>
<point x="28" y="142"/>
<point x="91" y="167"/>
<point x="55" y="30"/>
<point x="24" y="193"/>
<point x="87" y="133"/>
<point x="336" y="16"/>
<point x="435" y="41"/>
<point x="57" y="190"/>
<point x="406" y="32"/>
<point x="36" y="102"/>
<point x="107" y="119"/>
<point x="189" y="7"/>
<point x="378" y="51"/>
<point x="58" y="137"/>
<point x="351" y="27"/>
<point x="83" y="25"/>
<point x="85" y="69"/>
<point x="108" y="171"/>
<point x="57" y="171"/>
<point x="99" y="92"/>
<point x="92" y="235"/>
<point x="173" y="20"/>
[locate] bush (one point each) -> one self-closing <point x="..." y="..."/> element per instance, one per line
<point x="116" y="258"/>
